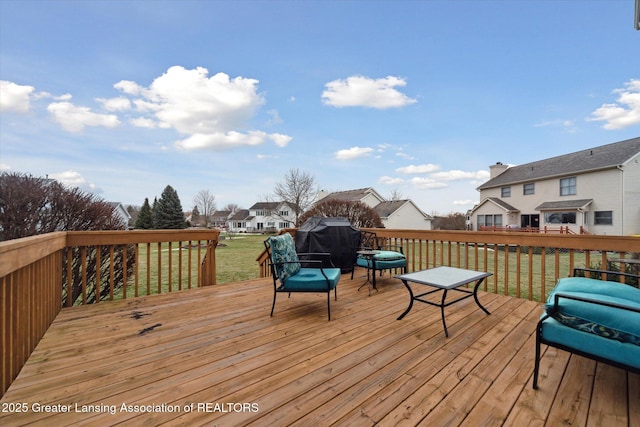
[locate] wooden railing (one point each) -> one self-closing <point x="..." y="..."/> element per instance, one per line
<point x="524" y="265"/>
<point x="41" y="274"/>
<point x="545" y="230"/>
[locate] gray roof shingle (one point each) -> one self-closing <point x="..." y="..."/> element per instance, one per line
<point x="592" y="159"/>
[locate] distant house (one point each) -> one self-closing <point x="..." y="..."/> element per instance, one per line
<point x="240" y="221"/>
<point x="596" y="190"/>
<point x="119" y="211"/>
<point x="219" y="219"/>
<point x="395" y="214"/>
<point x="262" y="217"/>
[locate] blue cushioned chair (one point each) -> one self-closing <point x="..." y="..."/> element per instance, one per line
<point x="598" y="319"/>
<point x="311" y="272"/>
<point x="389" y="257"/>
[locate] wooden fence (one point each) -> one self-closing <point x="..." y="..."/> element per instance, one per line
<point x="41" y="274"/>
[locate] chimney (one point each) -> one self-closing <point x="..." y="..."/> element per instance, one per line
<point x="497" y="169"/>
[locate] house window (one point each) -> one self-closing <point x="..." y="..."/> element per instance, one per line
<point x="506" y="191"/>
<point x="568" y="186"/>
<point x="489" y="220"/>
<point x="528" y="189"/>
<point x="284" y="225"/>
<point x="284" y="213"/>
<point x="560" y="218"/>
<point x="603" y="217"/>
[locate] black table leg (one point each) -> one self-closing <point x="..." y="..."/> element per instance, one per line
<point x="410" y="300"/>
<point x="444" y="324"/>
<point x="475" y="296"/>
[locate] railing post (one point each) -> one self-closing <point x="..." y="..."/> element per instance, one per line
<point x="208" y="272"/>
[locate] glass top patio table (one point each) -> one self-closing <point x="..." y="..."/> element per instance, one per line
<point x="443" y="279"/>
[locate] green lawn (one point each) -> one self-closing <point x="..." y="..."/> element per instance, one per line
<point x="236" y="258"/>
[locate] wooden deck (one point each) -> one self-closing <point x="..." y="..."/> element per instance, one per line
<point x="213" y="356"/>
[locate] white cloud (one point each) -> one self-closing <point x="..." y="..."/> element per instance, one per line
<point x="567" y="125"/>
<point x="222" y="140"/>
<point x="625" y="112"/>
<point x="143" y="122"/>
<point x="14" y="97"/>
<point x="360" y="91"/>
<point x="426" y="183"/>
<point x="353" y="153"/>
<point x="128" y="87"/>
<point x="418" y="169"/>
<point x="280" y="139"/>
<point x="213" y="112"/>
<point x="72" y="178"/>
<point x="4" y="167"/>
<point x="115" y="104"/>
<point x="389" y="180"/>
<point x="74" y="119"/>
<point x="457" y="175"/>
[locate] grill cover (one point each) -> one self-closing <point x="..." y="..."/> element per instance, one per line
<point x="333" y="235"/>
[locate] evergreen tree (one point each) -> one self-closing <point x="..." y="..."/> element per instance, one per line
<point x="169" y="214"/>
<point x="154" y="212"/>
<point x="145" y="217"/>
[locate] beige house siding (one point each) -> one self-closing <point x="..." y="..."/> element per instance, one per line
<point x="407" y="217"/>
<point x="607" y="188"/>
<point x="631" y="196"/>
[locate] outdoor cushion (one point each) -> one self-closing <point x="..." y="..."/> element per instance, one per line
<point x="285" y="258"/>
<point x="388" y="256"/>
<point x="310" y="279"/>
<point x="608" y="322"/>
<point x="605" y="348"/>
<point x="381" y="264"/>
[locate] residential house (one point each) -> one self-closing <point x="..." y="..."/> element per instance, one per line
<point x="240" y="221"/>
<point x="219" y="219"/>
<point x="596" y="190"/>
<point x="395" y="214"/>
<point x="119" y="211"/>
<point x="263" y="217"/>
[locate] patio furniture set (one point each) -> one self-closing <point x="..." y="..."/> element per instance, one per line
<point x="597" y="316"/>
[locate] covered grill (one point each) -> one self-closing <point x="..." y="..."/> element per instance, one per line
<point x="333" y="235"/>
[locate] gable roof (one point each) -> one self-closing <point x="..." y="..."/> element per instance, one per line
<point x="241" y="215"/>
<point x="387" y="208"/>
<point x="220" y="214"/>
<point x="498" y="202"/>
<point x="589" y="160"/>
<point x="353" y="195"/>
<point x="266" y="205"/>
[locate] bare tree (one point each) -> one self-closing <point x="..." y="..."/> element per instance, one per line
<point x="298" y="190"/>
<point x="395" y="195"/>
<point x="359" y="214"/>
<point x="231" y="207"/>
<point x="30" y="206"/>
<point x="205" y="202"/>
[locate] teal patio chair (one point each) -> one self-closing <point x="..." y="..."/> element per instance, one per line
<point x="388" y="257"/>
<point x="293" y="272"/>
<point x="597" y="319"/>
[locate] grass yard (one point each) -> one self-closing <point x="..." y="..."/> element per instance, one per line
<point x="236" y="261"/>
<point x="236" y="258"/>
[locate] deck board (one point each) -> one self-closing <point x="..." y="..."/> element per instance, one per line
<point x="364" y="367"/>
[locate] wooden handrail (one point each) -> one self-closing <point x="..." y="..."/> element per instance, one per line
<point x="523" y="264"/>
<point x="39" y="274"/>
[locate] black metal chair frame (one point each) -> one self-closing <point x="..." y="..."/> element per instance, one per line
<point x="324" y="259"/>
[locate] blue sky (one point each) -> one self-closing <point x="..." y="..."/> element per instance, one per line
<point x="125" y="97"/>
